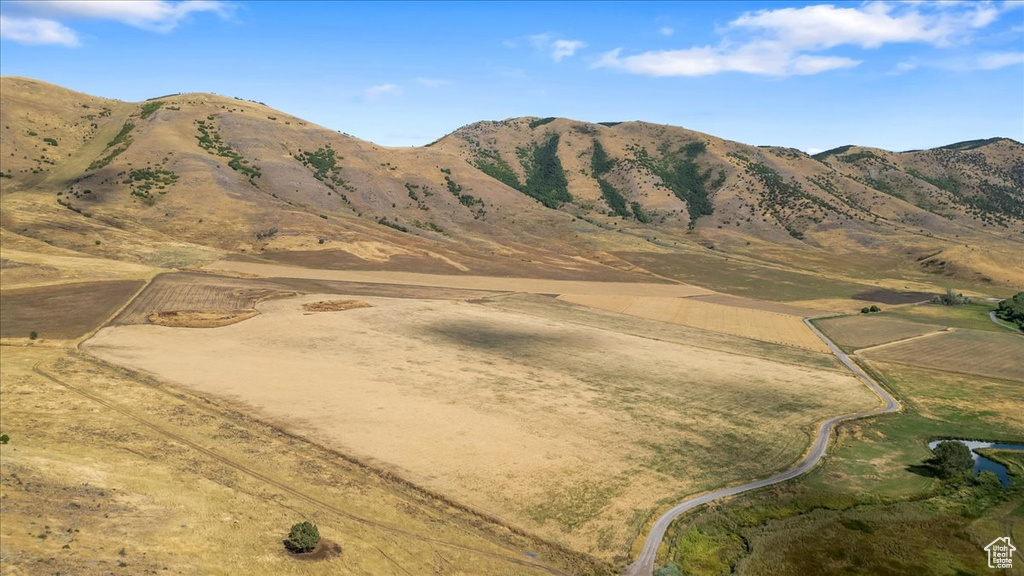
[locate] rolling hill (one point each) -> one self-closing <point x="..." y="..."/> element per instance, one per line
<point x="180" y="180"/>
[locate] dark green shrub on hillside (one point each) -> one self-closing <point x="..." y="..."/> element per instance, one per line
<point x="122" y="136"/>
<point x="303" y="537"/>
<point x="614" y="198"/>
<point x="639" y="213"/>
<point x="542" y="121"/>
<point x="545" y="178"/>
<point x="679" y="171"/>
<point x="600" y="163"/>
<point x="50" y="141"/>
<point x="148" y="108"/>
<point x="491" y="163"/>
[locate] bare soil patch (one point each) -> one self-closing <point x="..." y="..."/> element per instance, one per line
<point x="892" y="296"/>
<point x="194" y="319"/>
<point x="61" y="312"/>
<point x="212" y="293"/>
<point x="334" y="305"/>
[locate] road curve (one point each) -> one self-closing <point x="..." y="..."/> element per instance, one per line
<point x="998" y="322"/>
<point x="644" y="564"/>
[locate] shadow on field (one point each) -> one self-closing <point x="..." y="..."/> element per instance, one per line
<point x="923" y="470"/>
<point x="509" y="341"/>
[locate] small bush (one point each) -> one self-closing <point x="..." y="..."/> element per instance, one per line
<point x="4" y="438"/>
<point x="303" y="537"/>
<point x="951" y="298"/>
<point x="33" y="335"/>
<point x="670" y="570"/>
<point x="875" y="309"/>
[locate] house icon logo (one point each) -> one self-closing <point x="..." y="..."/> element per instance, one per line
<point x="1000" y="553"/>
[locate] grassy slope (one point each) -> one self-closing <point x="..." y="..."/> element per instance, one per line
<point x="871" y="508"/>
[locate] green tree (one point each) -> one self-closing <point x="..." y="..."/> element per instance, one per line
<point x="33" y="335"/>
<point x="952" y="459"/>
<point x="303" y="537"/>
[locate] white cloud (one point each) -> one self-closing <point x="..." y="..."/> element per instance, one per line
<point x="43" y="22"/>
<point x="904" y="67"/>
<point x="564" y="48"/>
<point x="1001" y="60"/>
<point x="374" y="93"/>
<point x="666" y="31"/>
<point x="432" y="82"/>
<point x="157" y="15"/>
<point x="789" y="41"/>
<point x="37" y="31"/>
<point x="707" y="60"/>
<point x="558" y="48"/>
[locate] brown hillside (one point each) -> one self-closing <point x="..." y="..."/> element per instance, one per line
<point x="184" y="179"/>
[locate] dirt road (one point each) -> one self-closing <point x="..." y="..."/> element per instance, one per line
<point x="644" y="565"/>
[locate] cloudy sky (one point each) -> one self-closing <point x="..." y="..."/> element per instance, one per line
<point x="811" y="76"/>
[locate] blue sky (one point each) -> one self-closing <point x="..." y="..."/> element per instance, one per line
<point x="807" y="75"/>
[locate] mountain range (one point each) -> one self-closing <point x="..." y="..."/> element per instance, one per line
<point x="184" y="179"/>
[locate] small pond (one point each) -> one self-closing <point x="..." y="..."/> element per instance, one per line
<point x="984" y="464"/>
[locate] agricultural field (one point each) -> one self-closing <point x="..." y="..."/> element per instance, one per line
<point x="973" y="316"/>
<point x="194" y="293"/>
<point x="572" y="432"/>
<point x="746" y="321"/>
<point x="63" y="311"/>
<point x="437" y="281"/>
<point x="872" y="507"/>
<point x="990" y="354"/>
<point x="862" y="331"/>
<point x="154" y="479"/>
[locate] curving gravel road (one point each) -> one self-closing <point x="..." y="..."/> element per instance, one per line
<point x="644" y="565"/>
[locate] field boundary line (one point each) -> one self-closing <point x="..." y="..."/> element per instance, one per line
<point x="939" y="332"/>
<point x="644" y="564"/>
<point x="282" y="486"/>
<point x="106" y="322"/>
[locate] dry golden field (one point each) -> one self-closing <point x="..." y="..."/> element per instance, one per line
<point x="861" y="331"/>
<point x="963" y="351"/>
<point x="575" y="433"/>
<point x="111" y="472"/>
<point x="745" y="321"/>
